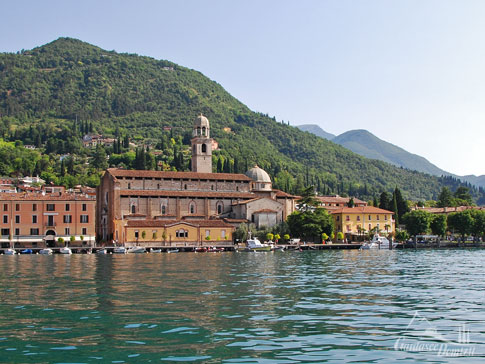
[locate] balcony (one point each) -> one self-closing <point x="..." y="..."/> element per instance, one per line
<point x="50" y="224"/>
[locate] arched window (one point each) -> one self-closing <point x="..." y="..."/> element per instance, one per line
<point x="192" y="208"/>
<point x="203" y="131"/>
<point x="133" y="209"/>
<point x="212" y="187"/>
<point x="129" y="186"/>
<point x="198" y="130"/>
<point x="204" y="148"/>
<point x="182" y="233"/>
<point x="220" y="207"/>
<point x="164" y="209"/>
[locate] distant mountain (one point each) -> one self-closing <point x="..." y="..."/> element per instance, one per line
<point x="315" y="129"/>
<point x="368" y="145"/>
<point x="474" y="180"/>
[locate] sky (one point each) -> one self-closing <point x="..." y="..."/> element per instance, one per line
<point x="410" y="72"/>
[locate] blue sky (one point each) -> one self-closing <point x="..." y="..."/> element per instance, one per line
<point x="411" y="72"/>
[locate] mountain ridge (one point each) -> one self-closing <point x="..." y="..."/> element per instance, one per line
<point x="49" y="90"/>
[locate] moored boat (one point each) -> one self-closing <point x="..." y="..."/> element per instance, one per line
<point x="119" y="250"/>
<point x="156" y="250"/>
<point x="378" y="242"/>
<point x="9" y="251"/>
<point x="65" y="250"/>
<point x="102" y="251"/>
<point x="200" y="249"/>
<point x="254" y="245"/>
<point x="136" y="250"/>
<point x="27" y="251"/>
<point x="172" y="251"/>
<point x="46" y="251"/>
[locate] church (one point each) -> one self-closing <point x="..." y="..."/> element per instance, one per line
<point x="166" y="208"/>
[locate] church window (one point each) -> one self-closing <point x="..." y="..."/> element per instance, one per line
<point x="192" y="208"/>
<point x="182" y="233"/>
<point x="185" y="186"/>
<point x="204" y="148"/>
<point x="203" y="131"/>
<point x="164" y="209"/>
<point x="129" y="186"/>
<point x="219" y="207"/>
<point x="237" y="188"/>
<point x="133" y="209"/>
<point x="212" y="187"/>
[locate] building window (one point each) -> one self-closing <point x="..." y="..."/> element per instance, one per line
<point x="68" y="207"/>
<point x="51" y="207"/>
<point x="164" y="209"/>
<point x="158" y="186"/>
<point x="5" y="232"/>
<point x="136" y="234"/>
<point x="84" y="219"/>
<point x="17" y="207"/>
<point x="212" y="187"/>
<point x="182" y="233"/>
<point x="347" y="218"/>
<point x="204" y="148"/>
<point x="5" y="207"/>
<point x="192" y="208"/>
<point x="17" y="220"/>
<point x="67" y="219"/>
<point x="85" y="208"/>
<point x="348" y="228"/>
<point x="34" y="207"/>
<point x="370" y="218"/>
<point x="370" y="227"/>
<point x="129" y="186"/>
<point x="377" y="217"/>
<point x="5" y="219"/>
<point x="34" y="231"/>
<point x="237" y="188"/>
<point x="185" y="186"/>
<point x="17" y="231"/>
<point x="338" y="218"/>
<point x="207" y="233"/>
<point x="223" y="234"/>
<point x="358" y="218"/>
<point x="67" y="231"/>
<point x="84" y="231"/>
<point x="219" y="207"/>
<point x="385" y="217"/>
<point x="133" y="209"/>
<point x="34" y="219"/>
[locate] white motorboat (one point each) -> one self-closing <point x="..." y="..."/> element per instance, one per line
<point x="378" y="242"/>
<point x="102" y="251"/>
<point x="65" y="250"/>
<point x="136" y="249"/>
<point x="156" y="251"/>
<point x="255" y="245"/>
<point x="119" y="250"/>
<point x="9" y="251"/>
<point x="172" y="251"/>
<point x="46" y="251"/>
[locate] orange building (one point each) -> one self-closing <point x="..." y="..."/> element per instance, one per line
<point x="39" y="220"/>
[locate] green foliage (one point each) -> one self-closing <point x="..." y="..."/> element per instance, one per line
<point x="269" y="236"/>
<point x="310" y="224"/>
<point x="402" y="235"/>
<point x="417" y="222"/>
<point x="461" y="222"/>
<point x="324" y="237"/>
<point x="52" y="95"/>
<point x="286" y="237"/>
<point x="438" y="224"/>
<point x="208" y="237"/>
<point x="340" y="236"/>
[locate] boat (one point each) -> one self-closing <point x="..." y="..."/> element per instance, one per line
<point x="65" y="250"/>
<point x="27" y="251"/>
<point x="172" y="251"/>
<point x="378" y="242"/>
<point x="119" y="250"/>
<point x="102" y="251"/>
<point x="255" y="245"/>
<point x="46" y="251"/>
<point x="277" y="248"/>
<point x="200" y="249"/>
<point x="136" y="249"/>
<point x="213" y="249"/>
<point x="9" y="251"/>
<point x="156" y="251"/>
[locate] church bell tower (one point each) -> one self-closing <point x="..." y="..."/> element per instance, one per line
<point x="201" y="146"/>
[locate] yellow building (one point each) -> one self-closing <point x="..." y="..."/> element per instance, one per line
<point x="363" y="219"/>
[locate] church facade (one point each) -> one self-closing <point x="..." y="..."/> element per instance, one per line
<point x="186" y="208"/>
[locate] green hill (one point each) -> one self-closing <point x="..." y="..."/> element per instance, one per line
<point x="51" y="95"/>
<point x="315" y="129"/>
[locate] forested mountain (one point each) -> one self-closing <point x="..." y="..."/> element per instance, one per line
<point x="52" y="95"/>
<point x="315" y="129"/>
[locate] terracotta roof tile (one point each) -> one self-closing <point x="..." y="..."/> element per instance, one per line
<point x="26" y="196"/>
<point x="281" y="194"/>
<point x="338" y="199"/>
<point x="361" y="210"/>
<point x="265" y="211"/>
<point x="178" y="175"/>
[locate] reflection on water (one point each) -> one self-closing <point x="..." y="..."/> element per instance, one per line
<point x="320" y="306"/>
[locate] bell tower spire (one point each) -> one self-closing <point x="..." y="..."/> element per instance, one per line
<point x="201" y="146"/>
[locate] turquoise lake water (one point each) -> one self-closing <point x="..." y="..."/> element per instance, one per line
<point x="291" y="307"/>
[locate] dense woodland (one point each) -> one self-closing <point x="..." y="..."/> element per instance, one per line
<point x="53" y="95"/>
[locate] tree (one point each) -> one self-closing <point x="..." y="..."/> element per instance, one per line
<point x="99" y="158"/>
<point x="478" y="227"/>
<point x="417" y="222"/>
<point x="310" y="224"/>
<point x="324" y="237"/>
<point x="438" y="225"/>
<point x="461" y="222"/>
<point x="385" y="201"/>
<point x="463" y="193"/>
<point x="286" y="237"/>
<point x="445" y="197"/>
<point x="402" y="235"/>
<point x="308" y="200"/>
<point x="269" y="236"/>
<point x="340" y="236"/>
<point x="277" y="237"/>
<point x="351" y="202"/>
<point x="402" y="206"/>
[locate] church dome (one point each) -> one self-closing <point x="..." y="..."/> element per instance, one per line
<point x="258" y="175"/>
<point x="201" y="121"/>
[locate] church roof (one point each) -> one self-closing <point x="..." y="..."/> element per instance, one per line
<point x="185" y="193"/>
<point x="163" y="223"/>
<point x="259" y="175"/>
<point x="115" y="172"/>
